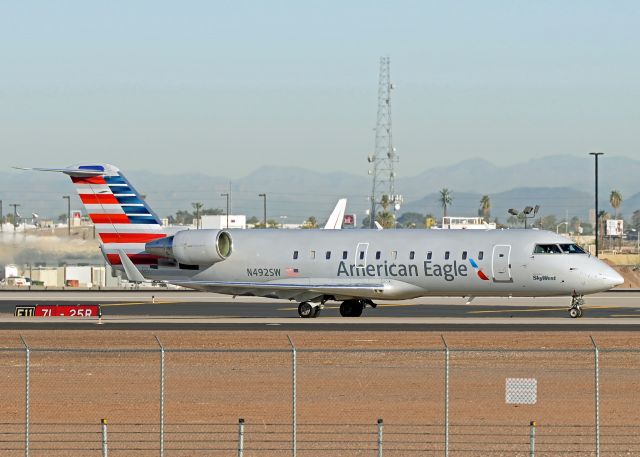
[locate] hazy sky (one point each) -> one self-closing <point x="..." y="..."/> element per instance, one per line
<point x="225" y="87"/>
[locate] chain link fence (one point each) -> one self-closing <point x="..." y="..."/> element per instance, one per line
<point x="307" y="402"/>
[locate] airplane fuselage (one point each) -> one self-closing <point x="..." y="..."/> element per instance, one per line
<point x="410" y="263"/>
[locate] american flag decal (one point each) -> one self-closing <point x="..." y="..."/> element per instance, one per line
<point x="292" y="272"/>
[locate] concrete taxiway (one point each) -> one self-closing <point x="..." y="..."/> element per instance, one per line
<point x="618" y="310"/>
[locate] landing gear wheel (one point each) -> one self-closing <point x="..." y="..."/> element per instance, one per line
<point x="576" y="306"/>
<point x="351" y="308"/>
<point x="305" y="310"/>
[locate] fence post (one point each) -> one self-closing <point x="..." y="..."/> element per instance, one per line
<point x="446" y="397"/>
<point x="27" y="396"/>
<point x="105" y="449"/>
<point x="161" y="396"/>
<point x="597" y="393"/>
<point x="240" y="437"/>
<point x="532" y="439"/>
<point x="380" y="427"/>
<point x="294" y="405"/>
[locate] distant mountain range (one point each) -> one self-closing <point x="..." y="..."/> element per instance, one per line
<point x="560" y="184"/>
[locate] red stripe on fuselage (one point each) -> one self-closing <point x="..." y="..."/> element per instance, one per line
<point x="99" y="199"/>
<point x="89" y="180"/>
<point x="109" y="218"/>
<point x="130" y="237"/>
<point x="138" y="259"/>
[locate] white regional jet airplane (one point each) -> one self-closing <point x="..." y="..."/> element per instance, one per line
<point x="354" y="267"/>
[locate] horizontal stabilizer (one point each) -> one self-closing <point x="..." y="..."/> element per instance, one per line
<point x="77" y="172"/>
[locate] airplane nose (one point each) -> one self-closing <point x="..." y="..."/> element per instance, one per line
<point x="610" y="277"/>
<point x="614" y="278"/>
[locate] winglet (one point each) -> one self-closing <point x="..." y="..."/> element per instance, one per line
<point x="133" y="274"/>
<point x="337" y="216"/>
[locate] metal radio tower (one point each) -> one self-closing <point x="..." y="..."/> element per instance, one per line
<point x="384" y="158"/>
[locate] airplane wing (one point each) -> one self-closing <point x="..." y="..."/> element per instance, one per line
<point x="337" y="216"/>
<point x="299" y="289"/>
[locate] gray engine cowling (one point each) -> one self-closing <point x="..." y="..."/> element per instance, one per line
<point x="193" y="247"/>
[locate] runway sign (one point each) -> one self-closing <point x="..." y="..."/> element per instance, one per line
<point x="58" y="310"/>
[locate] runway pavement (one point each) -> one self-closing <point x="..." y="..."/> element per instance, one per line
<point x="197" y="310"/>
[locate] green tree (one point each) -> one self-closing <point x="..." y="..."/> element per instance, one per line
<point x="411" y="220"/>
<point x="310" y="223"/>
<point x="212" y="212"/>
<point x="197" y="206"/>
<point x="615" y="198"/>
<point x="445" y="199"/>
<point x="485" y="207"/>
<point x="386" y="218"/>
<point x="253" y="220"/>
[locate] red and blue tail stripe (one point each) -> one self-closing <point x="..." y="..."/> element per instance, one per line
<point x="123" y="220"/>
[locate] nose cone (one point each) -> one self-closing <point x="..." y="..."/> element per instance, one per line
<point x="609" y="277"/>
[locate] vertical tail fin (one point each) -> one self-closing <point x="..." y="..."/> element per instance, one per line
<point x="123" y="220"/>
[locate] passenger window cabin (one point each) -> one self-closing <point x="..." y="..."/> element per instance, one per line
<point x="429" y="255"/>
<point x="295" y="255"/>
<point x="327" y="255"/>
<point x="312" y="254"/>
<point x="412" y="255"/>
<point x="345" y="254"/>
<point x="446" y="255"/>
<point x="464" y="255"/>
<point x="480" y="255"/>
<point x="378" y="254"/>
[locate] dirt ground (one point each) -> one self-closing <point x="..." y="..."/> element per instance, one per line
<point x="631" y="275"/>
<point x="345" y="382"/>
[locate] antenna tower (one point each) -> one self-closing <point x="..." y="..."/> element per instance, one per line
<point x="384" y="158"/>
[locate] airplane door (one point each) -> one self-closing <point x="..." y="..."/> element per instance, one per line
<point x="361" y="255"/>
<point x="501" y="264"/>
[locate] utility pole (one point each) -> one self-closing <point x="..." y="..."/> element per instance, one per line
<point x="264" y="209"/>
<point x="597" y="224"/>
<point x="15" y="215"/>
<point x="226" y="194"/>
<point x="384" y="158"/>
<point x="68" y="199"/>
<point x="1" y="218"/>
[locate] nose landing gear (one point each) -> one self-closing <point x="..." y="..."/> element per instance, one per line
<point x="575" y="310"/>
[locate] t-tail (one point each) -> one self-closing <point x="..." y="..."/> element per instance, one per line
<point x="123" y="220"/>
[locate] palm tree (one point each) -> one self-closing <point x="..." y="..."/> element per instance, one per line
<point x="446" y="199"/>
<point x="197" y="206"/>
<point x="485" y="206"/>
<point x="616" y="200"/>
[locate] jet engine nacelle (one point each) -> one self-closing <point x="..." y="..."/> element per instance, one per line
<point x="193" y="247"/>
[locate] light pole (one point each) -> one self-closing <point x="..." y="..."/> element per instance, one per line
<point x="227" y="195"/>
<point x="264" y="209"/>
<point x="15" y="215"/>
<point x="68" y="199"/>
<point x="596" y="155"/>
<point x="1" y="218"/>
<point x="525" y="213"/>
<point x="637" y="240"/>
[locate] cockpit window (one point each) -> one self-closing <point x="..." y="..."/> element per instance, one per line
<point x="572" y="249"/>
<point x="547" y="249"/>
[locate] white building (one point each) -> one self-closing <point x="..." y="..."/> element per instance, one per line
<point x="466" y="223"/>
<point x="238" y="221"/>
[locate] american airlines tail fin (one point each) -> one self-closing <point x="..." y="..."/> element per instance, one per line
<point x="337" y="216"/>
<point x="123" y="220"/>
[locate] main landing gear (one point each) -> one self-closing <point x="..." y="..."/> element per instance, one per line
<point x="575" y="310"/>
<point x="307" y="310"/>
